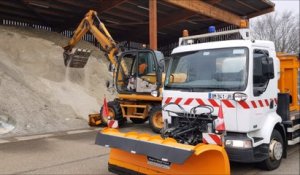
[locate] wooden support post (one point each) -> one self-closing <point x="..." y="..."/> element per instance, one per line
<point x="153" y="24"/>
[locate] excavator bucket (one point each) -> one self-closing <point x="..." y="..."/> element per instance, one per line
<point x="76" y="58"/>
<point x="133" y="153"/>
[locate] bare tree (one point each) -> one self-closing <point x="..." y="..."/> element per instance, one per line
<point x="281" y="28"/>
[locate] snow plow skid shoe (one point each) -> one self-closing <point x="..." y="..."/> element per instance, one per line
<point x="133" y="153"/>
<point x="76" y="58"/>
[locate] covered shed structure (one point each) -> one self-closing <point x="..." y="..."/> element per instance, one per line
<point x="158" y="22"/>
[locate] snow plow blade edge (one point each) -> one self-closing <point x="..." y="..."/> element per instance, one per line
<point x="133" y="153"/>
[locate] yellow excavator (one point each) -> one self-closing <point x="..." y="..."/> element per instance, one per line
<point x="137" y="76"/>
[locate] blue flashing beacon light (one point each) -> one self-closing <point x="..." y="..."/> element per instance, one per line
<point x="211" y="29"/>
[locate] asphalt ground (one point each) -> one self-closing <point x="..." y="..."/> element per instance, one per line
<point x="74" y="152"/>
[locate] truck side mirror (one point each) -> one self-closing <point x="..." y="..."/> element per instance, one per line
<point x="267" y="67"/>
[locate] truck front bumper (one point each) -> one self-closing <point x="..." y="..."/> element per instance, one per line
<point x="248" y="155"/>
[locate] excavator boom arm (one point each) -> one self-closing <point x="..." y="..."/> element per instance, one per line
<point x="78" y="58"/>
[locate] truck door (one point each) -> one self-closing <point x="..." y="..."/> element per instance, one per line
<point x="263" y="93"/>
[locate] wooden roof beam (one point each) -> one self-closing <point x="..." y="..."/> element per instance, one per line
<point x="208" y="10"/>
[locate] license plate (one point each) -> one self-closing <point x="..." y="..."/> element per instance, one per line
<point x="158" y="163"/>
<point x="220" y="96"/>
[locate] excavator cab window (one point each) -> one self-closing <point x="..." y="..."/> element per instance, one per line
<point x="126" y="72"/>
<point x="147" y="77"/>
<point x="137" y="72"/>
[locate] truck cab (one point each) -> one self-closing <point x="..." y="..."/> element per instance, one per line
<point x="229" y="70"/>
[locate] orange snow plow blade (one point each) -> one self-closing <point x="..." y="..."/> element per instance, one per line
<point x="133" y="153"/>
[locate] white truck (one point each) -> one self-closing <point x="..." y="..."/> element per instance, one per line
<point x="241" y="74"/>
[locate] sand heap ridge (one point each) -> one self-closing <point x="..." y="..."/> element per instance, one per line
<point x="36" y="89"/>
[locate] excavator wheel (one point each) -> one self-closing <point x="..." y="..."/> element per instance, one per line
<point x="138" y="120"/>
<point x="155" y="119"/>
<point x="114" y="110"/>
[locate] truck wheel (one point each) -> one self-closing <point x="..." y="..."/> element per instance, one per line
<point x="275" y="152"/>
<point x="138" y="120"/>
<point x="114" y="110"/>
<point x="156" y="121"/>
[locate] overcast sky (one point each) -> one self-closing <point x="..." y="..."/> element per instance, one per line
<point x="286" y="5"/>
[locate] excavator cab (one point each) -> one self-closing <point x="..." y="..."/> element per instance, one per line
<point x="142" y="73"/>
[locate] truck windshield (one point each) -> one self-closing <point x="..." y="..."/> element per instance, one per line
<point x="213" y="69"/>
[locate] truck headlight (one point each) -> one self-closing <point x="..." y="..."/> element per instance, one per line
<point x="238" y="143"/>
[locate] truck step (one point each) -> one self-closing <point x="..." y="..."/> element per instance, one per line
<point x="293" y="128"/>
<point x="294" y="141"/>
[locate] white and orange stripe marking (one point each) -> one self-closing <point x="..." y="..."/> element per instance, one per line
<point x="211" y="138"/>
<point x="227" y="103"/>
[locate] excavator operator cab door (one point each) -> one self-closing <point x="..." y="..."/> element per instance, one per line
<point x="138" y="72"/>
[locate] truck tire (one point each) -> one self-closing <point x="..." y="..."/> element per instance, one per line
<point x="114" y="110"/>
<point x="138" y="120"/>
<point x="155" y="119"/>
<point x="275" y="152"/>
